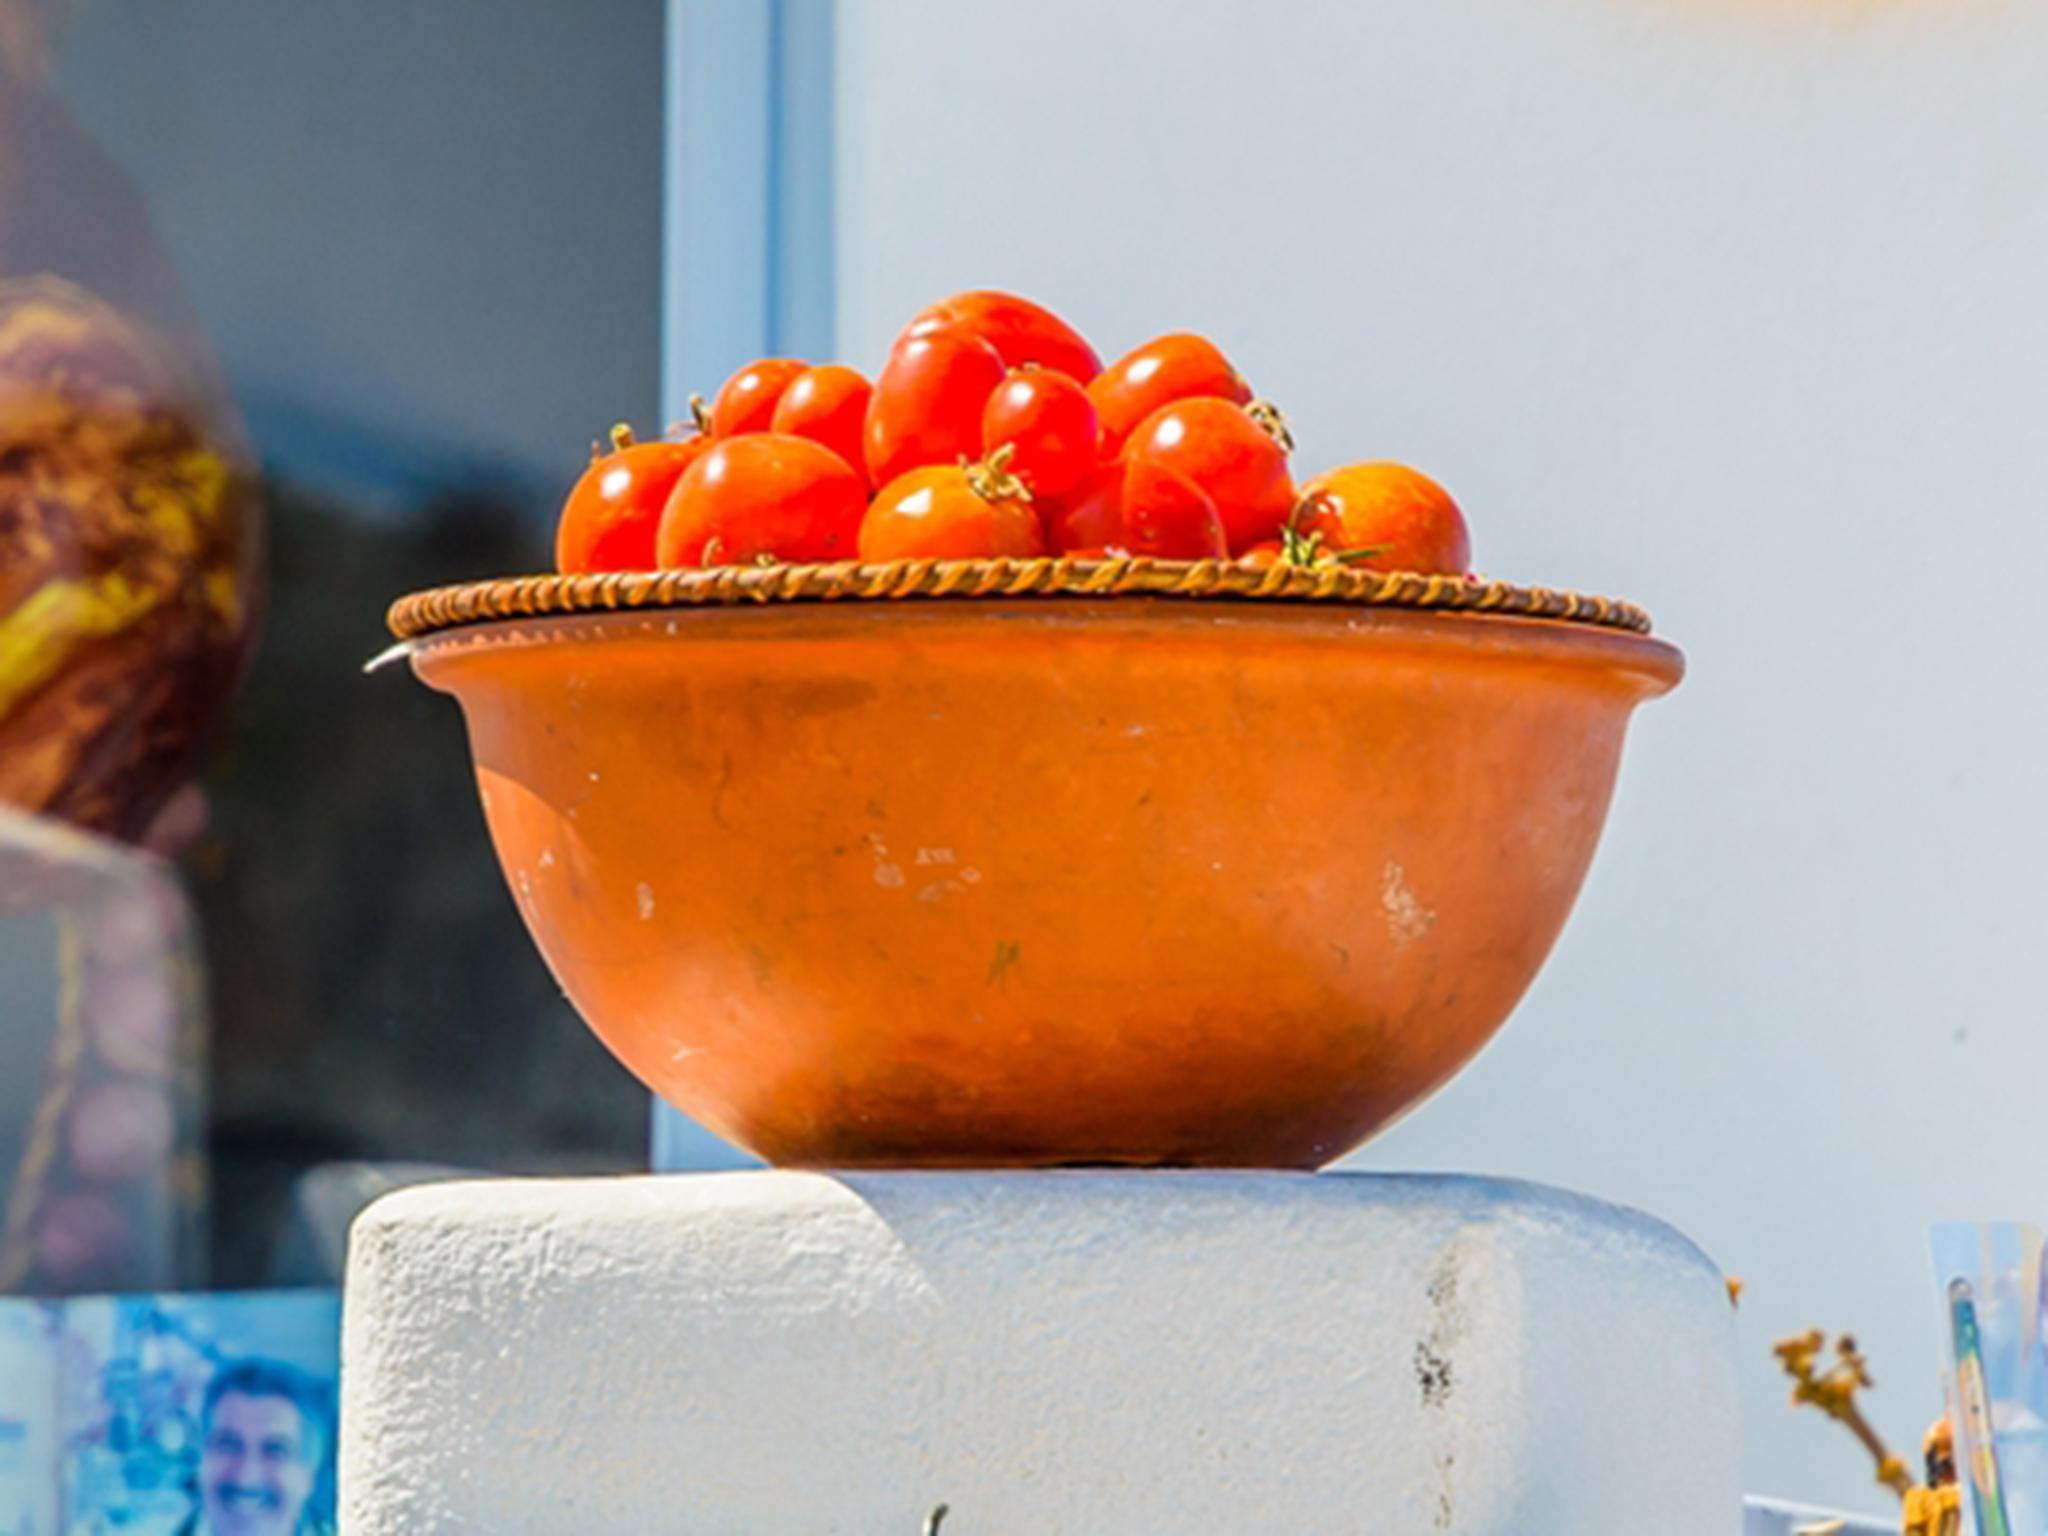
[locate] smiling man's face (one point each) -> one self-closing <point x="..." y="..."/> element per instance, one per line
<point x="255" y="1471"/>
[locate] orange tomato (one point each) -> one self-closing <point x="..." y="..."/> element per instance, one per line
<point x="1236" y="454"/>
<point x="952" y="512"/>
<point x="1021" y="331"/>
<point x="611" y="517"/>
<point x="828" y="405"/>
<point x="746" y="401"/>
<point x="1180" y="366"/>
<point x="1048" y="423"/>
<point x="927" y="402"/>
<point x="1407" y="519"/>
<point x="760" y="497"/>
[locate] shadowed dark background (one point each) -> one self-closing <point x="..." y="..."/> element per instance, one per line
<point x="424" y="243"/>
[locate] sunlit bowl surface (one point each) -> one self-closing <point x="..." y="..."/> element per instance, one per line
<point x="1050" y="880"/>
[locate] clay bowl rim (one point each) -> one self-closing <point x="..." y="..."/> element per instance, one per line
<point x="1646" y="666"/>
<point x="500" y="608"/>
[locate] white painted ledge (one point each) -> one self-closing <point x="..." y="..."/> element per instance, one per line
<point x="1078" y="1354"/>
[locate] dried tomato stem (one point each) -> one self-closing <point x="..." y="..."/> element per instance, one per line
<point x="991" y="479"/>
<point x="1270" y="417"/>
<point x="1305" y="549"/>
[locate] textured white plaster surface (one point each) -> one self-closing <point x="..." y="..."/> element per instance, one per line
<point x="1097" y="1353"/>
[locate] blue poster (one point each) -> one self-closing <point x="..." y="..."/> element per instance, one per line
<point x="181" y="1415"/>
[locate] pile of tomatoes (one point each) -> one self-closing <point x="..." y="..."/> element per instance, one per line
<point x="993" y="429"/>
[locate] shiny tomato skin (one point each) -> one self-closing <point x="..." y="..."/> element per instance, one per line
<point x="746" y="402"/>
<point x="927" y="402"/>
<point x="1407" y="519"/>
<point x="935" y="513"/>
<point x="612" y="515"/>
<point x="828" y="405"/>
<point x="1168" y="516"/>
<point x="1224" y="450"/>
<point x="1178" y="366"/>
<point x="1019" y="329"/>
<point x="1090" y="517"/>
<point x="1136" y="508"/>
<point x="1049" y="425"/>
<point x="763" y="495"/>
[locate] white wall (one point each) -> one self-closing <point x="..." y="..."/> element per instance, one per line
<point x="1740" y="309"/>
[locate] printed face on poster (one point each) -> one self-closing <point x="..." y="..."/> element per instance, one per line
<point x="171" y="1415"/>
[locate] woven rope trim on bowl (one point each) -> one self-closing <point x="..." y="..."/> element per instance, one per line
<point x="479" y="602"/>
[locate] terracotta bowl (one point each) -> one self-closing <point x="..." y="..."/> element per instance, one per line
<point x="1146" y="868"/>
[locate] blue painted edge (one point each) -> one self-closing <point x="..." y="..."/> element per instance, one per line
<point x="804" y="287"/>
<point x="715" y="194"/>
<point x="747" y="247"/>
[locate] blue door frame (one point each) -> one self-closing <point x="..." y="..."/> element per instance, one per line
<point x="747" y="250"/>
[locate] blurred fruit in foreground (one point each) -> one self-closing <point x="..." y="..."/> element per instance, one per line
<point x="127" y="562"/>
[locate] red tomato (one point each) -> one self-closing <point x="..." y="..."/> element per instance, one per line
<point x="610" y="518"/>
<point x="1181" y="366"/>
<point x="746" y="401"/>
<point x="1136" y="508"/>
<point x="1023" y="332"/>
<point x="759" y="498"/>
<point x="1235" y="453"/>
<point x="1090" y="517"/>
<point x="952" y="512"/>
<point x="927" y="402"/>
<point x="1407" y="519"/>
<point x="1169" y="516"/>
<point x="1045" y="417"/>
<point x="827" y="405"/>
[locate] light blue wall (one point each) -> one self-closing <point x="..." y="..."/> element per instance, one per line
<point x="747" y="220"/>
